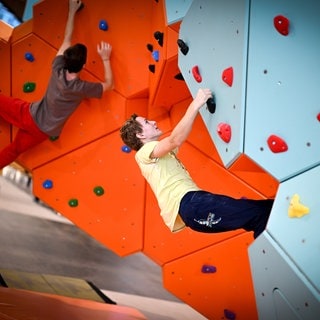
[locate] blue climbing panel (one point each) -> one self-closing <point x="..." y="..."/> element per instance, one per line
<point x="299" y="236"/>
<point x="283" y="86"/>
<point x="176" y="10"/>
<point x="216" y="33"/>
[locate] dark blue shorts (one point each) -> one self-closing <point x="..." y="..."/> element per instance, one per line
<point x="210" y="213"/>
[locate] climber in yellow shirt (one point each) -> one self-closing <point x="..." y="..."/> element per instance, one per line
<point x="181" y="201"/>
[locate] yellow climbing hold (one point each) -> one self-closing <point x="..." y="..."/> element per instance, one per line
<point x="296" y="209"/>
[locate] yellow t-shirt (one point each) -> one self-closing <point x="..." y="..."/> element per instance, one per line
<point x="169" y="181"/>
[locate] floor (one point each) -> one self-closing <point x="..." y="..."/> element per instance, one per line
<point x="34" y="238"/>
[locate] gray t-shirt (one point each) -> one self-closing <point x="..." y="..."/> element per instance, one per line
<point x="61" y="99"/>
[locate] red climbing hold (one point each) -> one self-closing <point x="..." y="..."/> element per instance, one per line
<point x="224" y="131"/>
<point x="196" y="74"/>
<point x="277" y="144"/>
<point x="318" y="116"/>
<point x="227" y="76"/>
<point x="281" y="23"/>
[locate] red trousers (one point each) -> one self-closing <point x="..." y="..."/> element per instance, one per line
<point x="16" y="112"/>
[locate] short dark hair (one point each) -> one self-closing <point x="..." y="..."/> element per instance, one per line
<point x="128" y="133"/>
<point x="75" y="57"/>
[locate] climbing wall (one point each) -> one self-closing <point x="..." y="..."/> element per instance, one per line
<point x="163" y="51"/>
<point x="5" y="62"/>
<point x="258" y="63"/>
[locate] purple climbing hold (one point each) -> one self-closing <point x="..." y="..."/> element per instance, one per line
<point x="229" y="314"/>
<point x="208" y="269"/>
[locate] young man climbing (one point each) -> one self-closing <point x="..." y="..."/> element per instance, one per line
<point x="181" y="201"/>
<point x="39" y="120"/>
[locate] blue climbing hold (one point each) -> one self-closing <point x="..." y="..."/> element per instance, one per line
<point x="47" y="184"/>
<point x="155" y="55"/>
<point x="29" y="56"/>
<point x="126" y="149"/>
<point x="103" y="25"/>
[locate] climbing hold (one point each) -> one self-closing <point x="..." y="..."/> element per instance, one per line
<point x="81" y="7"/>
<point x="150" y="47"/>
<point x="318" y="116"/>
<point x="29" y="87"/>
<point x="229" y="314"/>
<point x="277" y="144"/>
<point x="227" y="76"/>
<point x="211" y="105"/>
<point x="208" y="269"/>
<point x="224" y="132"/>
<point x="196" y="74"/>
<point x="29" y="56"/>
<point x="103" y="25"/>
<point x="183" y="47"/>
<point x="179" y="76"/>
<point x="281" y="23"/>
<point x="99" y="191"/>
<point x="159" y="37"/>
<point x="296" y="209"/>
<point x="126" y="149"/>
<point x="73" y="203"/>
<point x="47" y="184"/>
<point x="155" y="55"/>
<point x="152" y="68"/>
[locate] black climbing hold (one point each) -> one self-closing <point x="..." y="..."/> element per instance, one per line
<point x="81" y="7"/>
<point x="211" y="104"/>
<point x="152" y="68"/>
<point x="183" y="47"/>
<point x="179" y="76"/>
<point x="150" y="47"/>
<point x="159" y="37"/>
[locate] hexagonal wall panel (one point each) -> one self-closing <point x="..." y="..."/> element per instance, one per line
<point x="95" y="187"/>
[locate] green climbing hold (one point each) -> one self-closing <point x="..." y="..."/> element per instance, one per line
<point x="73" y="202"/>
<point x="99" y="191"/>
<point x="29" y="87"/>
<point x="53" y="138"/>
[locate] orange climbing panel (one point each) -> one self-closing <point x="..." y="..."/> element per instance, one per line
<point x="5" y="79"/>
<point x="216" y="280"/>
<point x="94" y="119"/>
<point x="115" y="217"/>
<point x="129" y="50"/>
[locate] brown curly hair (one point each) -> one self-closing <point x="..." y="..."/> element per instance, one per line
<point x="128" y="133"/>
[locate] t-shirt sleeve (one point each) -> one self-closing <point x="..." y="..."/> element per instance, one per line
<point x="58" y="63"/>
<point x="143" y="155"/>
<point x="92" y="89"/>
